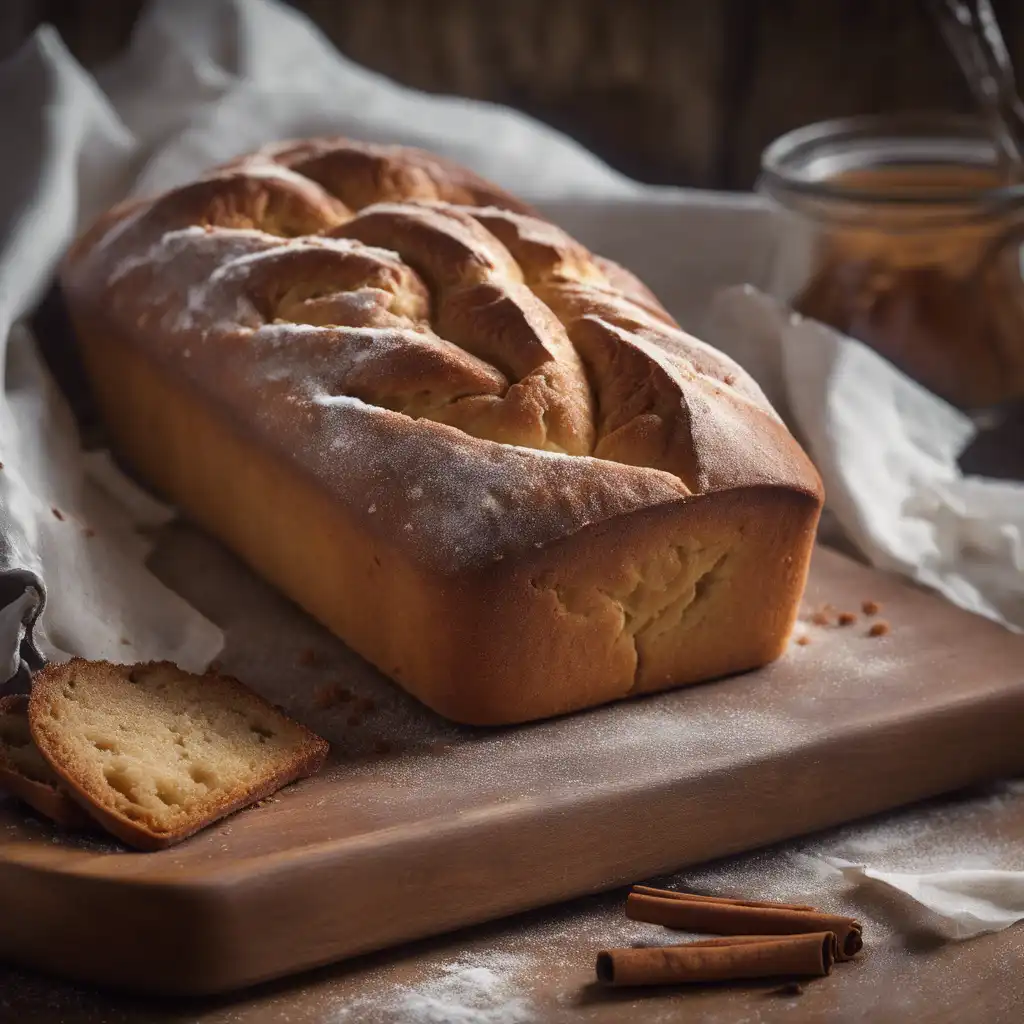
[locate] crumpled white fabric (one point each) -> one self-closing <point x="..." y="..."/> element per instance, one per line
<point x="205" y="81"/>
<point x="968" y="903"/>
<point x="887" y="451"/>
<point x="81" y="521"/>
<point x="67" y="157"/>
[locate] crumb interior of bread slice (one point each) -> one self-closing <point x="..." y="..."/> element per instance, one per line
<point x="161" y="747"/>
<point x="19" y="752"/>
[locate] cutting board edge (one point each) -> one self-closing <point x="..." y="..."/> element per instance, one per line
<point x="227" y="916"/>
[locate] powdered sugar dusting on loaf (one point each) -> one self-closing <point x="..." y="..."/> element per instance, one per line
<point x="478" y="500"/>
<point x="190" y="244"/>
<point x="202" y="297"/>
<point x="211" y="269"/>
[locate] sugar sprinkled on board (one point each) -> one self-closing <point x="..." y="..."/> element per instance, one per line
<point x="485" y="988"/>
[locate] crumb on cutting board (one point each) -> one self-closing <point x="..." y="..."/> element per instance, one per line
<point x="846" y="618"/>
<point x="57" y="514"/>
<point x="871" y="607"/>
<point x="330" y="695"/>
<point x="879" y="629"/>
<point x="803" y="640"/>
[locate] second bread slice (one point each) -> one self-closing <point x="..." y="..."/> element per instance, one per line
<point x="154" y="753"/>
<point x="25" y="773"/>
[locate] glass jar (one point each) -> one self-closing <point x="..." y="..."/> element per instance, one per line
<point x="906" y="234"/>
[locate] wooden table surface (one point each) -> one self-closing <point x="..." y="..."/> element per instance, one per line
<point x="539" y="967"/>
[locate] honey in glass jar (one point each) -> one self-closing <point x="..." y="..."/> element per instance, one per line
<point x="906" y="234"/>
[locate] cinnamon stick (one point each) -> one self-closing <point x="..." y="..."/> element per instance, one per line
<point x="672" y="894"/>
<point x="722" y="916"/>
<point x="727" y="959"/>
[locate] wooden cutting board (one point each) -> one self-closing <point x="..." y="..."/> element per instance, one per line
<point x="419" y="827"/>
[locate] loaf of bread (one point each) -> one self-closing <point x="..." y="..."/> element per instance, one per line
<point x="487" y="459"/>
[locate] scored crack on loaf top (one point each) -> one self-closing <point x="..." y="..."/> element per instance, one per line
<point x="496" y="385"/>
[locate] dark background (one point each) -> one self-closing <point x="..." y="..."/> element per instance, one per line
<point x="669" y="91"/>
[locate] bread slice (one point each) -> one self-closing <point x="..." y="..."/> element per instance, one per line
<point x="154" y="754"/>
<point x="25" y="773"/>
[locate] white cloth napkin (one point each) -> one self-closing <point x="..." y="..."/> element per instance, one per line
<point x="968" y="902"/>
<point x="887" y="451"/>
<point x="67" y="157"/>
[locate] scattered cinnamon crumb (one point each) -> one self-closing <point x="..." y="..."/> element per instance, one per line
<point x="804" y="640"/>
<point x="125" y="641"/>
<point x="323" y="697"/>
<point x="791" y="988"/>
<point x="329" y="695"/>
<point x="879" y="629"/>
<point x="820" y="618"/>
<point x="58" y="514"/>
<point x="871" y="607"/>
<point x="307" y="657"/>
<point x="847" y="618"/>
<point x="365" y="705"/>
<point x="89" y="532"/>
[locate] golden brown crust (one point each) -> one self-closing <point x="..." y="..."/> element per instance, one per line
<point x="361" y="173"/>
<point x="445" y="388"/>
<point x="92" y="753"/>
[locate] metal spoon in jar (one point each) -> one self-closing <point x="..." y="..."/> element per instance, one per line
<point x="972" y="33"/>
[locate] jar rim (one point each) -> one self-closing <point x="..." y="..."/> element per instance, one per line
<point x="807" y="161"/>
